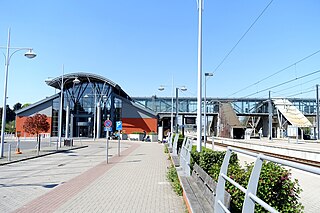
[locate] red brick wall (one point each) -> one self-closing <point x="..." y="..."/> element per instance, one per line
<point x="19" y="125"/>
<point x="130" y="125"/>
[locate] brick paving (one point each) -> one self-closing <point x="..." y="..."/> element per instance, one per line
<point x="134" y="182"/>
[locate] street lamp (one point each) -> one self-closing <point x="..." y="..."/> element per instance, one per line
<point x="161" y="88"/>
<point x="207" y="74"/>
<point x="75" y="81"/>
<point x="183" y="88"/>
<point x="30" y="54"/>
<point x="177" y="106"/>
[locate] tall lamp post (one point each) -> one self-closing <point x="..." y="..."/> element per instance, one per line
<point x="30" y="54"/>
<point x="199" y="96"/>
<point x="207" y="74"/>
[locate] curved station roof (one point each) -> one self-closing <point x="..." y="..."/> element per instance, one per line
<point x="84" y="78"/>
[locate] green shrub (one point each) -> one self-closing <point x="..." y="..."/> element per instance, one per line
<point x="180" y="141"/>
<point x="173" y="178"/>
<point x="166" y="150"/>
<point x="195" y="156"/>
<point x="275" y="187"/>
<point x="137" y="133"/>
<point x="209" y="157"/>
<point x="239" y="175"/>
<point x="278" y="189"/>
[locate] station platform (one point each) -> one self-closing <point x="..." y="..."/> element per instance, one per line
<point x="304" y="149"/>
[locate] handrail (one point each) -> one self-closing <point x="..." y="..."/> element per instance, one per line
<point x="175" y="145"/>
<point x="185" y="155"/>
<point x="250" y="193"/>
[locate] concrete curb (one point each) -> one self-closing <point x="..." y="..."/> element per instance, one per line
<point x="41" y="155"/>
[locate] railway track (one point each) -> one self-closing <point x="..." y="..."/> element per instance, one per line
<point x="284" y="157"/>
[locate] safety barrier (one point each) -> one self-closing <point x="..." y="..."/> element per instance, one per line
<point x="185" y="156"/>
<point x="175" y="145"/>
<point x="250" y="193"/>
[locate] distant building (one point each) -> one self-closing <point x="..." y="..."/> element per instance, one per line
<point x="88" y="101"/>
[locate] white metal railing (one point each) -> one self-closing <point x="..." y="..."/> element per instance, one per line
<point x="250" y="193"/>
<point x="175" y="145"/>
<point x="185" y="155"/>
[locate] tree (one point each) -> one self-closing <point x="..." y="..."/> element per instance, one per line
<point x="25" y="105"/>
<point x="17" y="106"/>
<point x="35" y="125"/>
<point x="11" y="115"/>
<point x="11" y="127"/>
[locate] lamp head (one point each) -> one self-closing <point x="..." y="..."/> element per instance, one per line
<point x="48" y="80"/>
<point x="161" y="88"/>
<point x="30" y="54"/>
<point x="76" y="81"/>
<point x="208" y="74"/>
<point x="183" y="88"/>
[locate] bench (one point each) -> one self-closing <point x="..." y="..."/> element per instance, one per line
<point x="199" y="191"/>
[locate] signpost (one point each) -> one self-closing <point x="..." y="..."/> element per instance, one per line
<point x="119" y="128"/>
<point x="107" y="127"/>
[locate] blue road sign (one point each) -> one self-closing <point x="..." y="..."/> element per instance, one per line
<point x="107" y="129"/>
<point x="118" y="125"/>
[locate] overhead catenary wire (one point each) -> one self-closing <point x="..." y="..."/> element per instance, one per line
<point x="277" y="72"/>
<point x="233" y="48"/>
<point x="286" y="82"/>
<point x="295" y="92"/>
<point x="279" y="91"/>
<point x="300" y="93"/>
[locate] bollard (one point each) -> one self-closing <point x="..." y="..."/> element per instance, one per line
<point x="119" y="146"/>
<point x="9" y="152"/>
<point x="107" y="146"/>
<point x="18" y="151"/>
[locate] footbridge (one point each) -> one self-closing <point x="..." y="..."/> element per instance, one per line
<point x="295" y="117"/>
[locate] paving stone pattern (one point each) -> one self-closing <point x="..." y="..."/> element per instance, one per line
<point x="81" y="181"/>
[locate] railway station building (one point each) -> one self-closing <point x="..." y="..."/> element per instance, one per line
<point x="84" y="102"/>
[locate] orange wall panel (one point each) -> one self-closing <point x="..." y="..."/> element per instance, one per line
<point x="130" y="125"/>
<point x="19" y="126"/>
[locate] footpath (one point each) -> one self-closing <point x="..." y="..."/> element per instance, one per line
<point x="82" y="181"/>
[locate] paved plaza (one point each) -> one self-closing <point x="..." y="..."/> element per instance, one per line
<point x="81" y="181"/>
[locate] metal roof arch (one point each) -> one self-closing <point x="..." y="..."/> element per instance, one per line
<point x="84" y="78"/>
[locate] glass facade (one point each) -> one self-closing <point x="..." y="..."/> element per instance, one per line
<point x="86" y="105"/>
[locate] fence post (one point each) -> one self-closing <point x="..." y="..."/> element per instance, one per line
<point x="221" y="182"/>
<point x="249" y="204"/>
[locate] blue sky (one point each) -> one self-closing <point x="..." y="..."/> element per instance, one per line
<point x="141" y="44"/>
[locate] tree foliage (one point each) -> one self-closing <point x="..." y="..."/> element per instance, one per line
<point x="36" y="124"/>
<point x="10" y="127"/>
<point x="17" y="106"/>
<point x="25" y="105"/>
